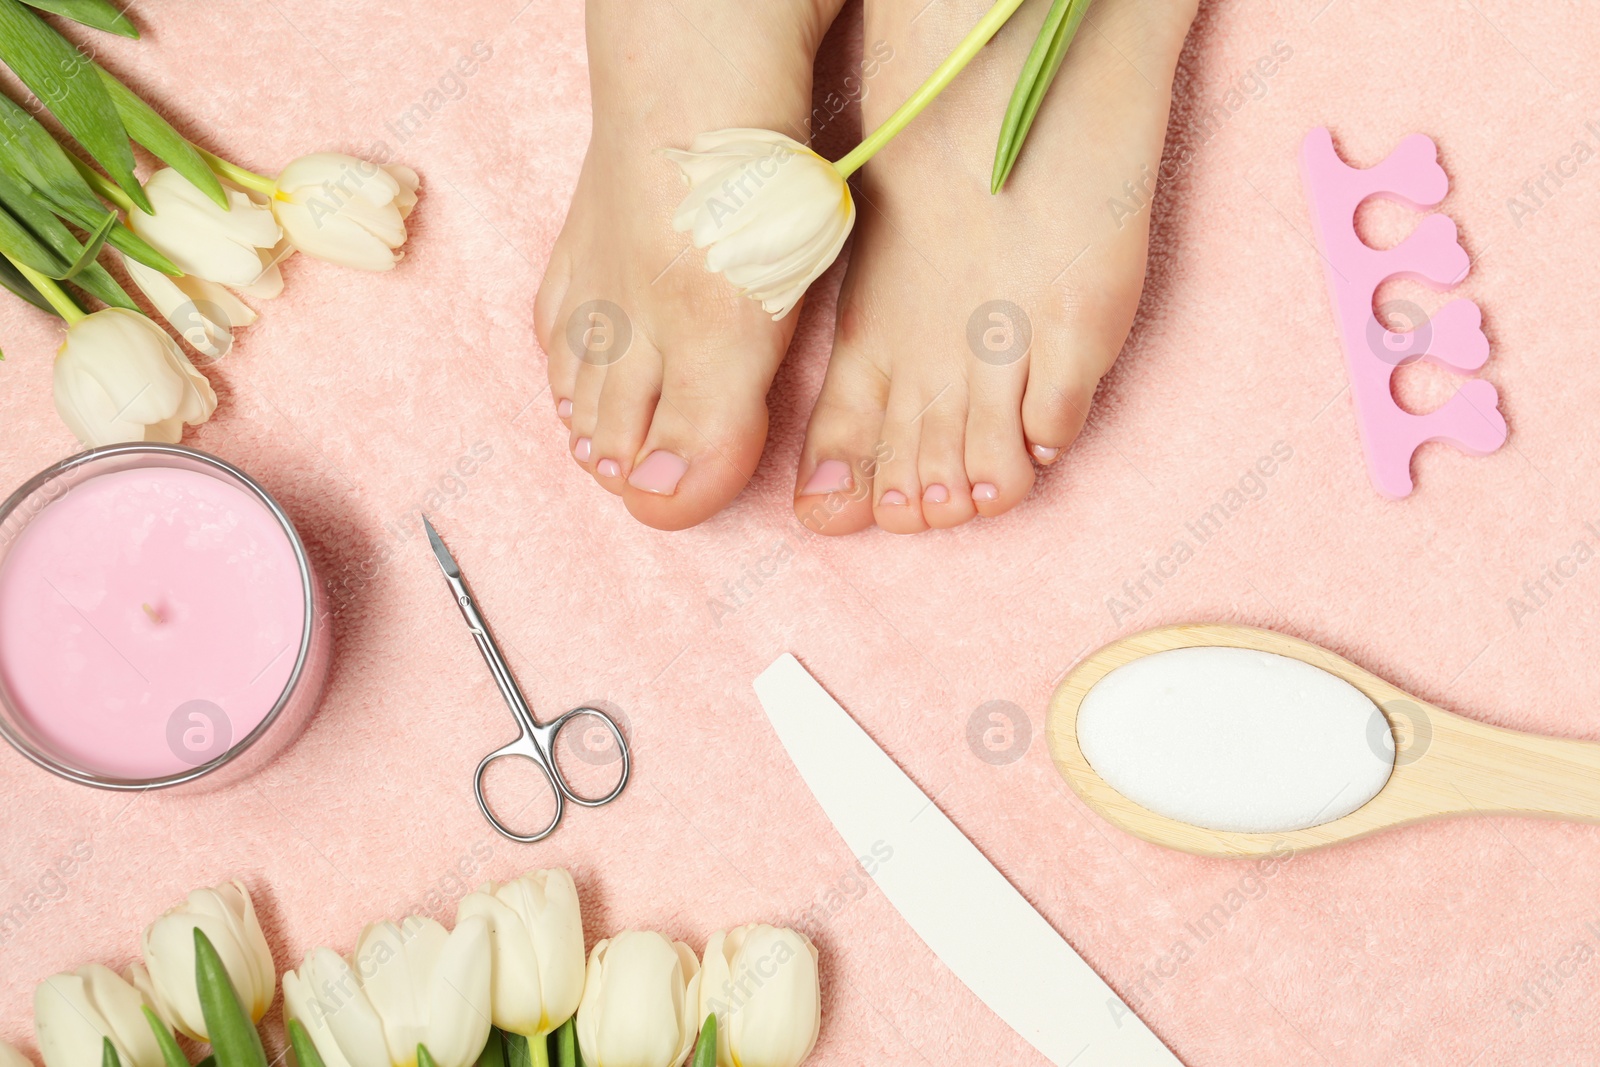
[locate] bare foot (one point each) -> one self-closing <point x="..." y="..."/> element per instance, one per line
<point x="658" y="368"/>
<point x="973" y="328"/>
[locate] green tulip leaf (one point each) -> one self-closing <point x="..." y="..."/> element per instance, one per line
<point x="705" y="1050"/>
<point x="145" y="125"/>
<point x="65" y="81"/>
<point x="170" y="1052"/>
<point x="32" y="158"/>
<point x="209" y="1061"/>
<point x="36" y="215"/>
<point x="108" y="1054"/>
<point x="97" y="240"/>
<point x="494" y="1050"/>
<point x="424" y="1057"/>
<point x="96" y="14"/>
<point x="234" y="1040"/>
<point x="1038" y="71"/>
<point x="17" y="243"/>
<point x="517" y="1052"/>
<point x="12" y="279"/>
<point x="566" y="1040"/>
<point x="305" y="1053"/>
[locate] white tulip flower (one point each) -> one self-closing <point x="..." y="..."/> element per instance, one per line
<point x="641" y="1001"/>
<point x="73" y="1014"/>
<point x="773" y="213"/>
<point x="236" y="247"/>
<point x="428" y="987"/>
<point x="204" y="313"/>
<point x="536" y="929"/>
<point x="345" y="210"/>
<point x="761" y="983"/>
<point x="229" y="921"/>
<point x="119" y="377"/>
<point x="326" y="997"/>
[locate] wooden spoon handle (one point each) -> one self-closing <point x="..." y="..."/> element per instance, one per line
<point x="1467" y="766"/>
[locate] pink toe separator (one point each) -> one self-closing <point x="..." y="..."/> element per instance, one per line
<point x="1453" y="338"/>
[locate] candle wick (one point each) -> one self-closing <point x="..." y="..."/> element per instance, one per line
<point x="152" y="612"/>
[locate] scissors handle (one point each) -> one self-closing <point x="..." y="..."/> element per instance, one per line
<point x="538" y="747"/>
<point x="549" y="731"/>
<point x="526" y="748"/>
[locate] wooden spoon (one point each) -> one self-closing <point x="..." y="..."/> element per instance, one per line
<point x="1444" y="764"/>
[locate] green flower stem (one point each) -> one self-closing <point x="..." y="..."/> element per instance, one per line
<point x="946" y="72"/>
<point x="539" y="1050"/>
<point x="104" y="187"/>
<point x="65" y="306"/>
<point x="236" y="174"/>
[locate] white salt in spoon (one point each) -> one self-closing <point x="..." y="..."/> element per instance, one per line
<point x="1225" y="740"/>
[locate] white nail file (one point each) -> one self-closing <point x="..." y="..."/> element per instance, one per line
<point x="954" y="898"/>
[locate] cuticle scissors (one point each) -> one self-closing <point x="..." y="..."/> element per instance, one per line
<point x="537" y="740"/>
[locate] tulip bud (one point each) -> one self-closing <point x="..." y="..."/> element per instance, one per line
<point x="229" y="921"/>
<point x="119" y="377"/>
<point x="774" y="214"/>
<point x="761" y="983"/>
<point x="73" y="1014"/>
<point x="327" y="999"/>
<point x="234" y="247"/>
<point x="536" y="929"/>
<point x="428" y="987"/>
<point x="345" y="210"/>
<point x="641" y="998"/>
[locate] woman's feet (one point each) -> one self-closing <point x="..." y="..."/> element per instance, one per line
<point x="658" y="368"/>
<point x="973" y="328"/>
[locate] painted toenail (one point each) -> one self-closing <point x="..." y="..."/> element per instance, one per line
<point x="659" y="473"/>
<point x="936" y="494"/>
<point x="832" y="476"/>
<point x="609" y="468"/>
<point x="1045" y="454"/>
<point x="984" y="492"/>
<point x="564" y="409"/>
<point x="582" y="449"/>
<point x="894" y="498"/>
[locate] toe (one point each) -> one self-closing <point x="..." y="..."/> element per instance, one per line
<point x="839" y="461"/>
<point x="585" y="415"/>
<point x="1064" y="368"/>
<point x="704" y="441"/>
<point x="560" y="365"/>
<point x="896" y="488"/>
<point x="942" y="465"/>
<point x="996" y="455"/>
<point x="626" y="405"/>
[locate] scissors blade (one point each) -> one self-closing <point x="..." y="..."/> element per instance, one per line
<point x="447" y="562"/>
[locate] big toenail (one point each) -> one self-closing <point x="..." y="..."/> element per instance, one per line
<point x="985" y="492"/>
<point x="936" y="494"/>
<point x="832" y="476"/>
<point x="609" y="468"/>
<point x="894" y="498"/>
<point x="564" y="408"/>
<point x="659" y="473"/>
<point x="582" y="449"/>
<point x="1045" y="454"/>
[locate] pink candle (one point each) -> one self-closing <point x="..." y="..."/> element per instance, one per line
<point x="151" y="618"/>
